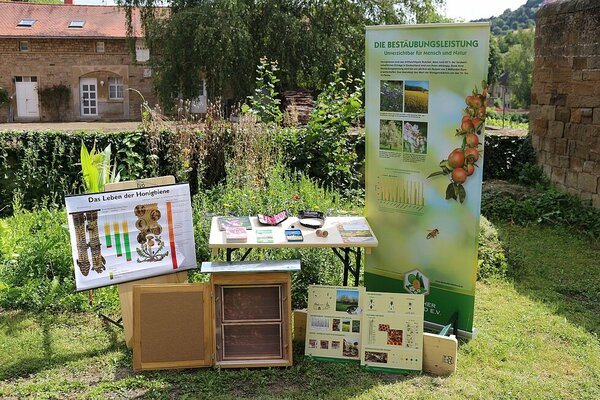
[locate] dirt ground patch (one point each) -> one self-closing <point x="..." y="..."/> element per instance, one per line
<point x="499" y="131"/>
<point x="71" y="126"/>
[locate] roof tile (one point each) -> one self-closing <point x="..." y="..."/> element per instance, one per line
<point x="52" y="21"/>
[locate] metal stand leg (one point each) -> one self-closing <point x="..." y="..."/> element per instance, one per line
<point x="452" y="323"/>
<point x="112" y="321"/>
<point x="345" y="258"/>
<point x="229" y="252"/>
<point x="357" y="272"/>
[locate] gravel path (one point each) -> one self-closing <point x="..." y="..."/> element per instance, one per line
<point x="71" y="126"/>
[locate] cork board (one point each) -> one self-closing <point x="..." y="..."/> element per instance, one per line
<point x="172" y="326"/>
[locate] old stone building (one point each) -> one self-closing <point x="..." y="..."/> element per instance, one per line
<point x="81" y="47"/>
<point x="565" y="110"/>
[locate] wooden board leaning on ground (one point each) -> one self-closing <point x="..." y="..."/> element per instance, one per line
<point x="126" y="289"/>
<point x="172" y="326"/>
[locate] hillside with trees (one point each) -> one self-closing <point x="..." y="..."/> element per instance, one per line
<point x="511" y="50"/>
<point x="521" y="18"/>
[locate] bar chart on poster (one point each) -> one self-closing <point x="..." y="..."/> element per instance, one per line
<point x="127" y="235"/>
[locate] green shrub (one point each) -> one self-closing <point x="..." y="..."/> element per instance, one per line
<point x="281" y="191"/>
<point x="545" y="207"/>
<point x="36" y="262"/>
<point x="55" y="99"/>
<point x="508" y="116"/>
<point x="327" y="149"/>
<point x="491" y="254"/>
<point x="42" y="166"/>
<point x="264" y="103"/>
<point x="507" y="156"/>
<point x="507" y="123"/>
<point x="4" y="98"/>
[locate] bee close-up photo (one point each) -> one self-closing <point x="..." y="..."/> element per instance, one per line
<point x="433" y="234"/>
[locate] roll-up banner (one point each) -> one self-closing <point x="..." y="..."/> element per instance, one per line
<point x="425" y="112"/>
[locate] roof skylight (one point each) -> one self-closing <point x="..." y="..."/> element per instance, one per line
<point x="76" y="24"/>
<point x="27" y="22"/>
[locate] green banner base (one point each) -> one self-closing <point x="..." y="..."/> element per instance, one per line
<point x="440" y="303"/>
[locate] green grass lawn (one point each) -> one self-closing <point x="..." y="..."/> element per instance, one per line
<point x="537" y="339"/>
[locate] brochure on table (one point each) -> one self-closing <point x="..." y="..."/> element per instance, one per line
<point x="424" y="118"/>
<point x="127" y="235"/>
<point x="392" y="334"/>
<point x="382" y="330"/>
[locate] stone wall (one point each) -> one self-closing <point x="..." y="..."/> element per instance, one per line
<point x="65" y="61"/>
<point x="565" y="110"/>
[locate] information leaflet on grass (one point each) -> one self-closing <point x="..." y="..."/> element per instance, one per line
<point x="127" y="235"/>
<point x="334" y="319"/>
<point x="392" y="334"/>
<point x="425" y="113"/>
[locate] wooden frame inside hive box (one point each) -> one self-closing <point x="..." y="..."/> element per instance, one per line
<point x="241" y="319"/>
<point x="252" y="320"/>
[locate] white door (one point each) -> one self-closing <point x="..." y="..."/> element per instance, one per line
<point x="27" y="98"/>
<point x="88" y="91"/>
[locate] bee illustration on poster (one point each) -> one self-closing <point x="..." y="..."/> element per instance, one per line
<point x="130" y="234"/>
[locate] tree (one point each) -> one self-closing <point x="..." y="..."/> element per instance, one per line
<point x="494" y="61"/>
<point x="223" y="40"/>
<point x="519" y="63"/>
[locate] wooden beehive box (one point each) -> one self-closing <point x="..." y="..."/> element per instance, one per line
<point x="241" y="318"/>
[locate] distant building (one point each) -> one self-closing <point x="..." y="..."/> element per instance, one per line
<point x="501" y="91"/>
<point x="82" y="47"/>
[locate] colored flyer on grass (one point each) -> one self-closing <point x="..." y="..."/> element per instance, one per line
<point x="392" y="336"/>
<point x="425" y="111"/>
<point x="127" y="235"/>
<point x="333" y="326"/>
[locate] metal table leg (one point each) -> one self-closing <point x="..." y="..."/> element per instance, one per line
<point x="229" y="252"/>
<point x="345" y="258"/>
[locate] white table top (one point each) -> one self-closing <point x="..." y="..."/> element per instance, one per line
<point x="251" y="266"/>
<point x="332" y="226"/>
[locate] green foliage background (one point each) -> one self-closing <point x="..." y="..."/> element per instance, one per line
<point x="223" y="40"/>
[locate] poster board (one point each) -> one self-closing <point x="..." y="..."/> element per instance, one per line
<point x="392" y="335"/>
<point x="172" y="326"/>
<point x="423" y="198"/>
<point x="127" y="235"/>
<point x="334" y="319"/>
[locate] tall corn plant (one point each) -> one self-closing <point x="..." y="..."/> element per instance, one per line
<point x="95" y="167"/>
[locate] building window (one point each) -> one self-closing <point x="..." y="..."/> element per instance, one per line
<point x="27" y="22"/>
<point x="24" y="45"/>
<point x="99" y="47"/>
<point x="142" y="53"/>
<point x="76" y="24"/>
<point x="25" y="78"/>
<point x="115" y="88"/>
